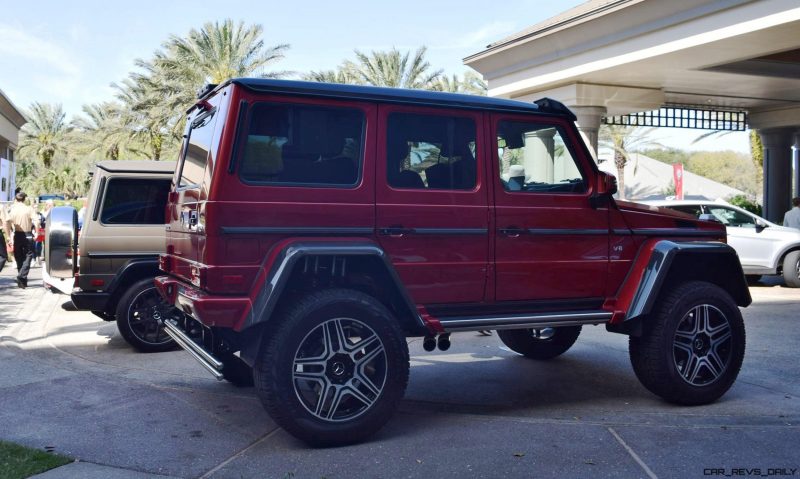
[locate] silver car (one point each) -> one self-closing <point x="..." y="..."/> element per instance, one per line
<point x="764" y="248"/>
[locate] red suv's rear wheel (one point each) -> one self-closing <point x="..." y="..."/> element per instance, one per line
<point x="334" y="367"/>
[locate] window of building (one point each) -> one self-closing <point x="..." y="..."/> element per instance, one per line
<point x="431" y="152"/>
<point x="535" y="159"/>
<point x="135" y="201"/>
<point x="298" y="145"/>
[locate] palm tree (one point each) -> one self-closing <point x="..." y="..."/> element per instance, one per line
<point x="102" y="129"/>
<point x="150" y="116"/>
<point x="393" y="69"/>
<point x="471" y="84"/>
<point x="156" y="97"/>
<point x="342" y="76"/>
<point x="46" y="132"/>
<point x="622" y="140"/>
<point x="219" y="51"/>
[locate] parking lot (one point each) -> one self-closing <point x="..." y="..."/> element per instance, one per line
<point x="69" y="383"/>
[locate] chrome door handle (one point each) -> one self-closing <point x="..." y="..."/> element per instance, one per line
<point x="511" y="231"/>
<point x="395" y="231"/>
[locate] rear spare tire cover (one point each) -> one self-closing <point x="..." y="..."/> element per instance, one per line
<point x="61" y="242"/>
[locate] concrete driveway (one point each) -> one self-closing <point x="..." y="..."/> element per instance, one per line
<point x="69" y="383"/>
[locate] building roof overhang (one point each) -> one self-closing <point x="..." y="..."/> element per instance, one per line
<point x="722" y="53"/>
<point x="11" y="112"/>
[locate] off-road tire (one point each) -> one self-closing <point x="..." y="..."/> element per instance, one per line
<point x="130" y="311"/>
<point x="791" y="269"/>
<point x="524" y="341"/>
<point x="236" y="371"/>
<point x="295" y="329"/>
<point x="657" y="358"/>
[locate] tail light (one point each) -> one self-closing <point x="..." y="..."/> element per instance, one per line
<point x="199" y="275"/>
<point x="165" y="263"/>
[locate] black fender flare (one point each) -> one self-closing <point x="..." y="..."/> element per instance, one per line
<point x="134" y="270"/>
<point x="282" y="268"/>
<point x="673" y="262"/>
<point x="284" y="264"/>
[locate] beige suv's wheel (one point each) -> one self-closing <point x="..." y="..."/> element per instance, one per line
<point x="140" y="314"/>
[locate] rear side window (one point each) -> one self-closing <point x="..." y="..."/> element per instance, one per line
<point x="134" y="201"/>
<point x="298" y="145"/>
<point x="197" y="149"/>
<point x="431" y="152"/>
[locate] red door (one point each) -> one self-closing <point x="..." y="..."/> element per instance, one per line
<point x="550" y="243"/>
<point x="432" y="202"/>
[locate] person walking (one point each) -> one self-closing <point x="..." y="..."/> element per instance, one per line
<point x="5" y="237"/>
<point x="792" y="217"/>
<point x="22" y="219"/>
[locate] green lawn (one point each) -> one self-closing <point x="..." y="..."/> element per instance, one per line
<point x="17" y="462"/>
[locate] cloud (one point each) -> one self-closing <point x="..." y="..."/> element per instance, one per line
<point x="15" y="42"/>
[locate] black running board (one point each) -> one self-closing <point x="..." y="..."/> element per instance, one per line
<point x="524" y="321"/>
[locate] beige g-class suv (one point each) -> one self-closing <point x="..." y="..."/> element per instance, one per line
<point x="120" y="239"/>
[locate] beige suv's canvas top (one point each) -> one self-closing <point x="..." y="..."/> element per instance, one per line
<point x="137" y="166"/>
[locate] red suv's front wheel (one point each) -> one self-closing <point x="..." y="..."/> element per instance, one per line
<point x="693" y="349"/>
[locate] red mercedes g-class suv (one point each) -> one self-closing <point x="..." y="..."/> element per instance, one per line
<point x="312" y="228"/>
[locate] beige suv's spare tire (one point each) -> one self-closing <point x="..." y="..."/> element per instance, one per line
<point x="61" y="242"/>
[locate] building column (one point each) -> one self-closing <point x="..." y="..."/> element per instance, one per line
<point x="589" y="118"/>
<point x="538" y="155"/>
<point x="777" y="172"/>
<point x="796" y="163"/>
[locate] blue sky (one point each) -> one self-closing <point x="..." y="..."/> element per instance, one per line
<point x="70" y="52"/>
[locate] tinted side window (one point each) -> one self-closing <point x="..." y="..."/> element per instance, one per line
<point x="295" y="145"/>
<point x="197" y="148"/>
<point x="534" y="158"/>
<point x="430" y="151"/>
<point x="133" y="201"/>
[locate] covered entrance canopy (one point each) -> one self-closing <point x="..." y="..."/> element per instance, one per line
<point x="615" y="57"/>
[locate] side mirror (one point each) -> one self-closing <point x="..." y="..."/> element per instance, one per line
<point x="761" y="226"/>
<point x="606" y="184"/>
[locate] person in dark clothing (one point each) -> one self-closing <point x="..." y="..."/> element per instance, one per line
<point x="22" y="219"/>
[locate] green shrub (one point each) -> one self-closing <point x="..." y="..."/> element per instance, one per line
<point x="745" y="203"/>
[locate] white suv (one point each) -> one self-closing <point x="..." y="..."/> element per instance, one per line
<point x="763" y="247"/>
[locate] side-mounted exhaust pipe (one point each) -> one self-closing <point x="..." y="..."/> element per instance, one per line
<point x="432" y="342"/>
<point x="443" y="342"/>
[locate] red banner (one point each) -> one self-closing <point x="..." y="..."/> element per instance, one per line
<point x="677" y="176"/>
